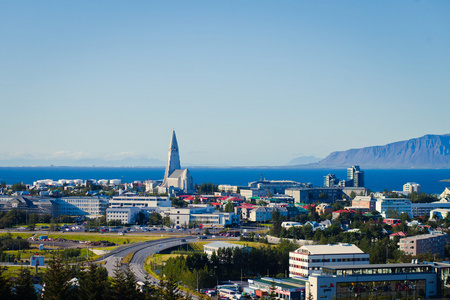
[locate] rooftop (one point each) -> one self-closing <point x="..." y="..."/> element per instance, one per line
<point x="331" y="249"/>
<point x="217" y="245"/>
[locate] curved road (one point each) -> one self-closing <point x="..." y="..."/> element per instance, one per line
<point x="141" y="252"/>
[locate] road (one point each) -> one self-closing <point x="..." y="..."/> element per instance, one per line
<point x="141" y="252"/>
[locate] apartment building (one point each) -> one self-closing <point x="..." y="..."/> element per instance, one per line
<point x="364" y="203"/>
<point x="82" y="206"/>
<point x="410" y="187"/>
<point x="424" y="243"/>
<point x="387" y="206"/>
<point x="309" y="258"/>
<point x="140" y="201"/>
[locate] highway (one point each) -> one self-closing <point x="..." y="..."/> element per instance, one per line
<point x="141" y="252"/>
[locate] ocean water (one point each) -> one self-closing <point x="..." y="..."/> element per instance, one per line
<point x="375" y="179"/>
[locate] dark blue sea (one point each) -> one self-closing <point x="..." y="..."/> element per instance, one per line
<point x="376" y="179"/>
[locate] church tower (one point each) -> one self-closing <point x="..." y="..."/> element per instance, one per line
<point x="173" y="159"/>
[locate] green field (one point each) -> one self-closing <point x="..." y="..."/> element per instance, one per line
<point x="110" y="237"/>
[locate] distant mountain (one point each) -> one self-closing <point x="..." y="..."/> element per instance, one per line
<point x="429" y="151"/>
<point x="85" y="162"/>
<point x="303" y="160"/>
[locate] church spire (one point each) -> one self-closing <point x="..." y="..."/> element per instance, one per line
<point x="173" y="159"/>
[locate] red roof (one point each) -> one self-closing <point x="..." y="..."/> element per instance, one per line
<point x="350" y="211"/>
<point x="216" y="203"/>
<point x="232" y="199"/>
<point x="308" y="206"/>
<point x="400" y="233"/>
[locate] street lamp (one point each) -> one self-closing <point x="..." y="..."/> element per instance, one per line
<point x="217" y="277"/>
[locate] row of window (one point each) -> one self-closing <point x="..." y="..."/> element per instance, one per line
<point x="328" y="260"/>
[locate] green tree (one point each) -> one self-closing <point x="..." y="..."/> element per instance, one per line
<point x="169" y="288"/>
<point x="23" y="287"/>
<point x="124" y="284"/>
<point x="56" y="279"/>
<point x="323" y="196"/>
<point x="18" y="187"/>
<point x="5" y="285"/>
<point x="229" y="207"/>
<point x="94" y="283"/>
<point x="352" y="195"/>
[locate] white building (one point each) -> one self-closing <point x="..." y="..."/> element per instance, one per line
<point x="439" y="213"/>
<point x="290" y="224"/>
<point x="151" y="185"/>
<point x="445" y="193"/>
<point x="248" y="193"/>
<point x="309" y="258"/>
<point x="175" y="178"/>
<point x="420" y="209"/>
<point x="275" y="186"/>
<point x="228" y="188"/>
<point x="210" y="248"/>
<point x="373" y="281"/>
<point x="411" y="187"/>
<point x="140" y="201"/>
<point x="82" y="206"/>
<point x="200" y="214"/>
<point x="261" y="214"/>
<point x="395" y="205"/>
<point x="125" y="215"/>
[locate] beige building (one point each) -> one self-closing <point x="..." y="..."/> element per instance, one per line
<point x="364" y="203"/>
<point x="410" y="187"/>
<point x="324" y="209"/>
<point x="424" y="243"/>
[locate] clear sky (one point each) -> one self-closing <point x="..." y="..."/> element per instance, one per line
<point x="241" y="82"/>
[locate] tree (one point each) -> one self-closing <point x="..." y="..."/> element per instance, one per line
<point x="323" y="196"/>
<point x="169" y="288"/>
<point x="352" y="195"/>
<point x="5" y="286"/>
<point x="56" y="280"/>
<point x="124" y="284"/>
<point x="94" y="283"/>
<point x="229" y="207"/>
<point x="24" y="288"/>
<point x="140" y="218"/>
<point x="18" y="187"/>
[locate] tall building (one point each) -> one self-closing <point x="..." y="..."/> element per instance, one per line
<point x="410" y="187"/>
<point x="173" y="159"/>
<point x="355" y="177"/>
<point x="330" y="180"/>
<point x="175" y="178"/>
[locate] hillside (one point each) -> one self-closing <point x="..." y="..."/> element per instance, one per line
<point x="429" y="151"/>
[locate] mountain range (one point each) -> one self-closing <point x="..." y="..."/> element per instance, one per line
<point x="430" y="151"/>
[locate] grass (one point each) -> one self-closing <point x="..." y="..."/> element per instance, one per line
<point x="110" y="237"/>
<point x="24" y="235"/>
<point x="199" y="245"/>
<point x="128" y="258"/>
<point x="14" y="271"/>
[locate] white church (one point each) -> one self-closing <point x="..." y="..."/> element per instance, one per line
<point x="175" y="178"/>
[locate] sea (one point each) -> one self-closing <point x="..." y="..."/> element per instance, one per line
<point x="431" y="181"/>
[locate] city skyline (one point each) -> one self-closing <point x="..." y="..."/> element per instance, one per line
<point x="241" y="83"/>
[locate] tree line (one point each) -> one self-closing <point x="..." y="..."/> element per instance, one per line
<point x="73" y="282"/>
<point x="230" y="263"/>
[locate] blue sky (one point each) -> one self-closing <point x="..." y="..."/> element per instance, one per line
<point x="241" y="82"/>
